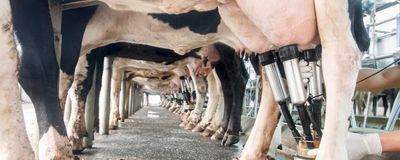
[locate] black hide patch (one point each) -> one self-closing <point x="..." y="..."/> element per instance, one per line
<point x="358" y="31"/>
<point x="147" y="53"/>
<point x="199" y="22"/>
<point x="74" y="23"/>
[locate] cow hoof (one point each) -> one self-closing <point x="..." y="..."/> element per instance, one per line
<point x="77" y="146"/>
<point x="190" y="126"/>
<point x="198" y="128"/>
<point x="75" y="137"/>
<point x="230" y="140"/>
<point x="86" y="134"/>
<point x="112" y="127"/>
<point x="53" y="145"/>
<point x="77" y="151"/>
<point x="218" y="135"/>
<point x="187" y="110"/>
<point x="183" y="124"/>
<point x="208" y="132"/>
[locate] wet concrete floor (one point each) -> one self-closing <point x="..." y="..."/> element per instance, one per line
<point x="153" y="133"/>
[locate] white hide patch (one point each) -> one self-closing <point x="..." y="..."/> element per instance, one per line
<point x="54" y="146"/>
<point x="14" y="142"/>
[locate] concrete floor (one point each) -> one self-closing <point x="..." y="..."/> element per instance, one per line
<point x="153" y="133"/>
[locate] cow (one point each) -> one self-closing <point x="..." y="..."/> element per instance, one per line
<point x="166" y="26"/>
<point x="337" y="26"/>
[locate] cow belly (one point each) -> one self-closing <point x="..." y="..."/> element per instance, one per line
<point x="161" y="6"/>
<point x="283" y="22"/>
<point x="243" y="28"/>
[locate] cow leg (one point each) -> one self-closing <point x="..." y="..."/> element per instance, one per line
<point x="228" y="98"/>
<point x="217" y="121"/>
<point x="67" y="110"/>
<point x="340" y="62"/>
<point x="80" y="88"/>
<point x="65" y="83"/>
<point x="239" y="80"/>
<point x="38" y="75"/>
<point x="14" y="143"/>
<point x="200" y="87"/>
<point x="89" y="112"/>
<point x="73" y="26"/>
<point x="115" y="90"/>
<point x="212" y="103"/>
<point x="233" y="81"/>
<point x="201" y="91"/>
<point x="267" y="118"/>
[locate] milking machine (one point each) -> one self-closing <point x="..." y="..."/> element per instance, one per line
<point x="188" y="106"/>
<point x="306" y="98"/>
<point x="315" y="89"/>
<point x="269" y="61"/>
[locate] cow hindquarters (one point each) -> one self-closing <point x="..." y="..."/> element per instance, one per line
<point x="340" y="62"/>
<point x="267" y="118"/>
